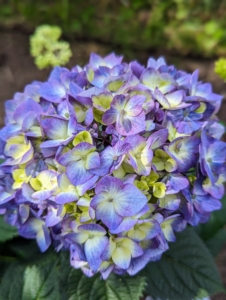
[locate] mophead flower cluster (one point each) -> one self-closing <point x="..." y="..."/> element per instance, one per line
<point x="109" y="160"/>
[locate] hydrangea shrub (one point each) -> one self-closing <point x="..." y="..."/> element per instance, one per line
<point x="109" y="160"/>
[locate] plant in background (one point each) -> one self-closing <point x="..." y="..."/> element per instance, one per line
<point x="107" y="162"/>
<point x="184" y="26"/>
<point x="220" y="68"/>
<point x="46" y="48"/>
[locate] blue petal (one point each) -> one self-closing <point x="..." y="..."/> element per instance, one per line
<point x="93" y="250"/>
<point x="129" y="201"/>
<point x="30" y="228"/>
<point x="77" y="173"/>
<point x="55" y="128"/>
<point x="43" y="239"/>
<point x="106" y="212"/>
<point x="52" y="91"/>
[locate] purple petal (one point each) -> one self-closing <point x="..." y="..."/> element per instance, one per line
<point x="108" y="184"/>
<point x="216" y="190"/>
<point x="43" y="239"/>
<point x="138" y="125"/>
<point x="89" y="116"/>
<point x="5" y="196"/>
<point x="126" y="224"/>
<point x="127" y="125"/>
<point x="30" y="228"/>
<point x="42" y="195"/>
<point x="87" y="185"/>
<point x="110" y="116"/>
<point x="106" y="161"/>
<point x="161" y="99"/>
<point x="66" y="197"/>
<point x="98" y="199"/>
<point x="135" y="249"/>
<point x="106" y="212"/>
<point x="158" y="138"/>
<point x="9" y="131"/>
<point x="136" y="68"/>
<point x="175" y="183"/>
<point x="154" y="230"/>
<point x="52" y="91"/>
<point x="129" y="201"/>
<point x="156" y="64"/>
<point x="93" y="250"/>
<point x="77" y="173"/>
<point x="94" y="228"/>
<point x="175" y="98"/>
<point x="95" y="60"/>
<point x="52" y="218"/>
<point x="92" y="161"/>
<point x="55" y="128"/>
<point x="75" y="89"/>
<point x="55" y="143"/>
<point x="56" y="73"/>
<point x="184" y="151"/>
<point x="134" y="105"/>
<point x="27" y="107"/>
<point x="207" y="203"/>
<point x="24" y="211"/>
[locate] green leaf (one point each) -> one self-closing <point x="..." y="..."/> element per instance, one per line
<point x="63" y="274"/>
<point x="114" y="288"/>
<point x="7" y="231"/>
<point x="26" y="281"/>
<point x="213" y="232"/>
<point x="41" y="283"/>
<point x="202" y="295"/>
<point x="5" y="262"/>
<point x="78" y="286"/>
<point x="25" y="249"/>
<point x="216" y="242"/>
<point x="183" y="270"/>
<point x="12" y="282"/>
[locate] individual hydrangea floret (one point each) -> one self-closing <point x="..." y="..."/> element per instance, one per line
<point x="107" y="161"/>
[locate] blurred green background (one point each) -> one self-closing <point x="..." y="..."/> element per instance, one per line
<point x="192" y="27"/>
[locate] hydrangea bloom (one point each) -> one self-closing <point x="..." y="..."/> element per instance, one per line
<point x="109" y="160"/>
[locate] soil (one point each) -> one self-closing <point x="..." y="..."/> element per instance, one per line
<point x="17" y="69"/>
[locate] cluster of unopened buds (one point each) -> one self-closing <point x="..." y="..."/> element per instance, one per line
<point x="109" y="160"/>
<point x="47" y="49"/>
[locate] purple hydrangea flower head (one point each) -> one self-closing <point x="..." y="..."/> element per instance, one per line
<point x="108" y="160"/>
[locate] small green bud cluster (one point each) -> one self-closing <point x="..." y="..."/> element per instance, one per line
<point x="46" y="48"/>
<point x="220" y="68"/>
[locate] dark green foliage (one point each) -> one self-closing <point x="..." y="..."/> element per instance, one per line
<point x="12" y="282"/>
<point x="28" y="281"/>
<point x="40" y="282"/>
<point x="114" y="288"/>
<point x="183" y="270"/>
<point x="79" y="287"/>
<point x="7" y="232"/>
<point x="51" y="278"/>
<point x="213" y="232"/>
